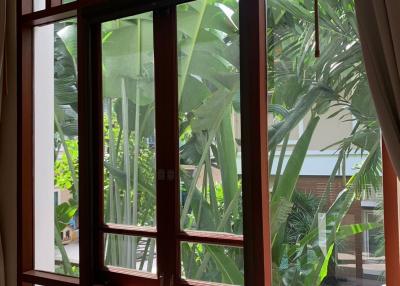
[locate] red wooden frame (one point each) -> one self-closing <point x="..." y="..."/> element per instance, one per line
<point x="254" y="142"/>
<point x="391" y="219"/>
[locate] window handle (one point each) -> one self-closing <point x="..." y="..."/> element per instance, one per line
<point x="105" y="283"/>
<point x="161" y="277"/>
<point x="162" y="280"/>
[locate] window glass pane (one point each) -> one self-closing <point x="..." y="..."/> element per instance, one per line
<point x="212" y="263"/>
<point x="137" y="253"/>
<point x="39" y="5"/>
<point x="56" y="149"/>
<point x="129" y="132"/>
<point x="324" y="150"/>
<point x="209" y="113"/>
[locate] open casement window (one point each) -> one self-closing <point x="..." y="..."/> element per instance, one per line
<point x="333" y="195"/>
<point x="142" y="160"/>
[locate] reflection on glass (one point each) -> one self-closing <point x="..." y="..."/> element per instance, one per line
<point x="129" y="132"/>
<point x="120" y="252"/>
<point x="209" y="113"/>
<point x="212" y="263"/>
<point x="56" y="149"/>
<point x="210" y="138"/>
<point x="324" y="151"/>
<point x="39" y="5"/>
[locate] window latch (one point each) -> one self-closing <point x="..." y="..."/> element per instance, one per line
<point x="161" y="277"/>
<point x="163" y="175"/>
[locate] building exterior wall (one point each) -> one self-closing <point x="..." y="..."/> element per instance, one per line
<point x="352" y="255"/>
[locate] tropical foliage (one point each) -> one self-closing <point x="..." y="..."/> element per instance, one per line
<point x="301" y="88"/>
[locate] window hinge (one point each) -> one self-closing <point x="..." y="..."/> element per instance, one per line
<point x="161" y="174"/>
<point x="170" y="175"/>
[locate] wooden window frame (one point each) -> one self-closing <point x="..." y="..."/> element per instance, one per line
<point x="256" y="232"/>
<point x="391" y="219"/>
<point x="90" y="133"/>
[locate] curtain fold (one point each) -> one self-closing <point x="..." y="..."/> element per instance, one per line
<point x="2" y="92"/>
<point x="2" y="273"/>
<point x="3" y="10"/>
<point x="379" y="28"/>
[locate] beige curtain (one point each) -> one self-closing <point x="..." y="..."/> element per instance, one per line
<point x="2" y="48"/>
<point x="2" y="274"/>
<point x="2" y="91"/>
<point x="379" y="26"/>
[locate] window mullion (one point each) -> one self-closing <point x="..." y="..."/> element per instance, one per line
<point x="25" y="154"/>
<point x="90" y="153"/>
<point x="167" y="130"/>
<point x="256" y="229"/>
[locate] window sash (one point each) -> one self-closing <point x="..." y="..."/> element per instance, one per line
<point x="255" y="239"/>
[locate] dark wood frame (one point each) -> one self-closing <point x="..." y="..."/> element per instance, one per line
<point x="254" y="142"/>
<point x="90" y="14"/>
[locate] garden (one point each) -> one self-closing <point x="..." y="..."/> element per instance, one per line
<point x="302" y="89"/>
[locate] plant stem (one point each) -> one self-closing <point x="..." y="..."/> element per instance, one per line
<point x="193" y="41"/>
<point x="227" y="158"/>
<point x="68" y="155"/>
<point x="271" y="160"/>
<point x="211" y="135"/>
<point x="213" y="195"/>
<point x="280" y="162"/>
<point x="137" y="141"/>
<point x="221" y="226"/>
<point x="127" y="204"/>
<point x="64" y="256"/>
<point x="145" y="251"/>
<point x="151" y="255"/>
<point x="111" y="180"/>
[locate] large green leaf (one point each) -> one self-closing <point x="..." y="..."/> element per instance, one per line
<point x="229" y="270"/>
<point x="69" y="37"/>
<point x="293" y="167"/>
<point x="210" y="114"/>
<point x="345" y="231"/>
<point x="286" y="185"/>
<point x="194" y="93"/>
<point x="277" y="132"/>
<point x="227" y="158"/>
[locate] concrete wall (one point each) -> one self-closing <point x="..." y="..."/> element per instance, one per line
<point x="8" y="155"/>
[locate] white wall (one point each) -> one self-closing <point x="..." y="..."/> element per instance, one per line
<point x="39" y="5"/>
<point x="44" y="147"/>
